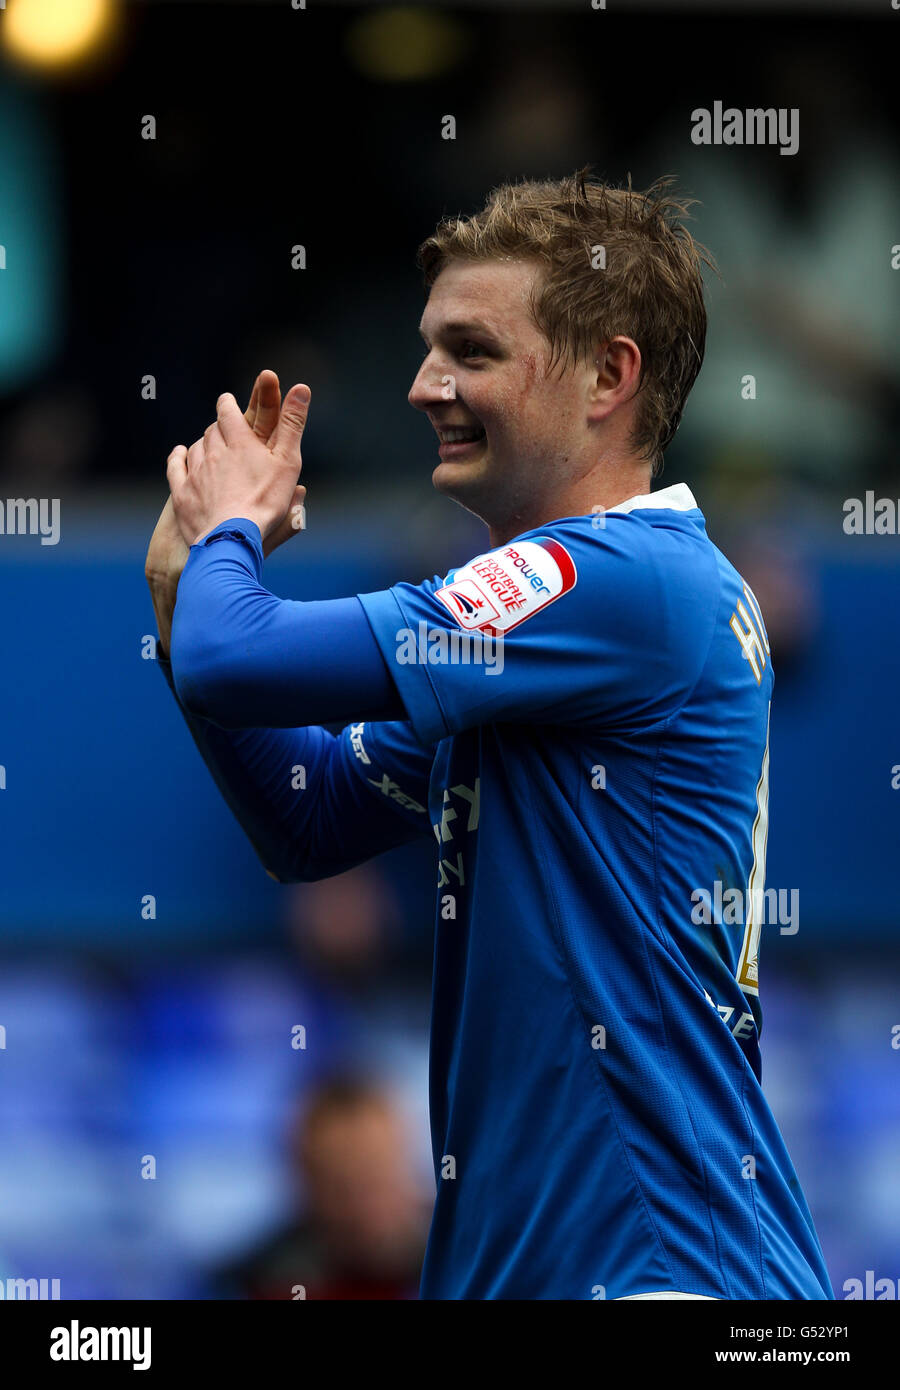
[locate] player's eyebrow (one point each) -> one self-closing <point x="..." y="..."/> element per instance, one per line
<point x="462" y="326"/>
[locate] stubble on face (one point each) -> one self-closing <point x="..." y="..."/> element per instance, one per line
<point x="525" y="411"/>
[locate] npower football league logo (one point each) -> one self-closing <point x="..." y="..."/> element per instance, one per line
<point x="497" y="591"/>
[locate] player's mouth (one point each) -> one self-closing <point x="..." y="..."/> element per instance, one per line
<point x="457" y="442"/>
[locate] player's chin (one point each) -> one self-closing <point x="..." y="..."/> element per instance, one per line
<point x="454" y="477"/>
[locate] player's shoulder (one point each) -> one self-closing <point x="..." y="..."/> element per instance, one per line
<point x="629" y="575"/>
<point x="634" y="549"/>
<point x="650" y="524"/>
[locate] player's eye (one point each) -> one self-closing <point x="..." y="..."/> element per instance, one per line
<point x="468" y="351"/>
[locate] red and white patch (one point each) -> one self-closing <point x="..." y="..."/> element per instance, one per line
<point x="495" y="592"/>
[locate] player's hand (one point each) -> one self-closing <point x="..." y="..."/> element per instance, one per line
<point x="234" y="471"/>
<point x="265" y="406"/>
<point x="167" y="553"/>
<point x="166" y="558"/>
<point x="262" y="416"/>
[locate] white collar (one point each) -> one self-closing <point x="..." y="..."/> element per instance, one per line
<point x="677" y="498"/>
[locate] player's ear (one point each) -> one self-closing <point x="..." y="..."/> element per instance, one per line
<point x="616" y="370"/>
<point x="601" y="365"/>
<point x="626" y="358"/>
<point x="598" y="384"/>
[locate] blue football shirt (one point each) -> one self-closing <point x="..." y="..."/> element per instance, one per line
<point x="588" y="711"/>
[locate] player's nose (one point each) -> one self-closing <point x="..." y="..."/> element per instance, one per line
<point x="430" y="386"/>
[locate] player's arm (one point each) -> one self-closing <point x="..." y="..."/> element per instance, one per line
<point x="241" y="657"/>
<point x="305" y="799"/>
<point x="312" y="804"/>
<point x="589" y="630"/>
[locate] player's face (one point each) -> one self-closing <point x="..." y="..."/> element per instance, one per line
<point x="485" y="372"/>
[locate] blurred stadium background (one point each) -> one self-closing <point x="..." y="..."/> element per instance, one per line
<point x="129" y="1036"/>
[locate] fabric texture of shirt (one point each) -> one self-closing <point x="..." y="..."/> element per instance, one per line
<point x="584" y="731"/>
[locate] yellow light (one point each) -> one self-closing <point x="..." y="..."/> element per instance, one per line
<point x="55" y="33"/>
<point x="400" y="44"/>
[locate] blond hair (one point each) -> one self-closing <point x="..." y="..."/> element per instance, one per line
<point x="646" y="284"/>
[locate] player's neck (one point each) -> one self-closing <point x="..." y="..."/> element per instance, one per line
<point x="590" y="497"/>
